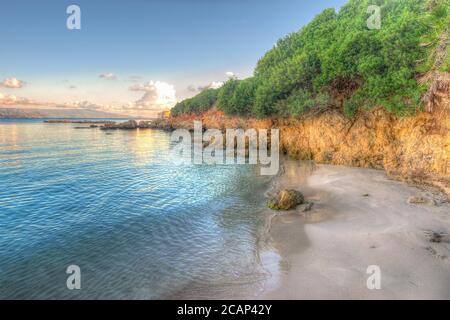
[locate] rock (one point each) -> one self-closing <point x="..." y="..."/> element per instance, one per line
<point x="130" y="124"/>
<point x="286" y="199"/>
<point x="420" y="200"/>
<point x="162" y="124"/>
<point x="144" y="124"/>
<point x="365" y="195"/>
<point x="80" y="121"/>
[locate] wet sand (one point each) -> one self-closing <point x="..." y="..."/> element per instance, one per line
<point x="360" y="217"/>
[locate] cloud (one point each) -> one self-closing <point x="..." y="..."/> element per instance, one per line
<point x="212" y="85"/>
<point x="85" y="105"/>
<point x="12" y="83"/>
<point x="230" y="74"/>
<point x="12" y="100"/>
<point x="215" y="85"/>
<point x="157" y="95"/>
<point x="108" y="76"/>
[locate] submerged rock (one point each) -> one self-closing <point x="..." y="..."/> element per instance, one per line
<point x="286" y="199"/>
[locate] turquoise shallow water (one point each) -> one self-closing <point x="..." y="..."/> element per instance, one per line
<point x="116" y="205"/>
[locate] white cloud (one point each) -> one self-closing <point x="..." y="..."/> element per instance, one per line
<point x="212" y="85"/>
<point x="230" y="74"/>
<point x="157" y="95"/>
<point x="85" y="105"/>
<point x="12" y="83"/>
<point x="215" y="84"/>
<point x="108" y="76"/>
<point x="11" y="100"/>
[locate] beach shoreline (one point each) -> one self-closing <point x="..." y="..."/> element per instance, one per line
<point x="360" y="218"/>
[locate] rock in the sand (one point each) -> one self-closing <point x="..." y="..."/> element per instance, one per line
<point x="420" y="200"/>
<point x="286" y="199"/>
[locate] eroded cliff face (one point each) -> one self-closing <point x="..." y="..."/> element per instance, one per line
<point x="415" y="149"/>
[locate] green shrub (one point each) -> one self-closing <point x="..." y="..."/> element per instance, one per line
<point x="288" y="78"/>
<point x="200" y="103"/>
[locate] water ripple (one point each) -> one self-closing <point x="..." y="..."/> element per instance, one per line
<point x="138" y="226"/>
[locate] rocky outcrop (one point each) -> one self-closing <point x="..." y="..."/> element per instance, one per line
<point x="162" y="124"/>
<point x="128" y="125"/>
<point x="133" y="124"/>
<point x="93" y="122"/>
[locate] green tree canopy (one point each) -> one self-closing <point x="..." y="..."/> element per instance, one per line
<point x="338" y="61"/>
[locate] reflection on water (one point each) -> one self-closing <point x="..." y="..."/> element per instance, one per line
<point x="116" y="205"/>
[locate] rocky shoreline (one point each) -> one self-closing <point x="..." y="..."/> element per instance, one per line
<point x="133" y="124"/>
<point x="113" y="125"/>
<point x="79" y="121"/>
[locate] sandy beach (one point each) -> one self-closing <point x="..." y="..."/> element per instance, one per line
<point x="359" y="218"/>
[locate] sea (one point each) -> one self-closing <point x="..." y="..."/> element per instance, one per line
<point x="136" y="223"/>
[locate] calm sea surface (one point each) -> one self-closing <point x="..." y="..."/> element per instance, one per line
<point x="115" y="204"/>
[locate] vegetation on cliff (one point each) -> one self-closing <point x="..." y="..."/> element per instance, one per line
<point x="336" y="61"/>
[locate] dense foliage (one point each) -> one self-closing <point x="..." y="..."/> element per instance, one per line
<point x="337" y="61"/>
<point x="200" y="103"/>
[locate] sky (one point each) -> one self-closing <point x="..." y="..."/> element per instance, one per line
<point x="136" y="55"/>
